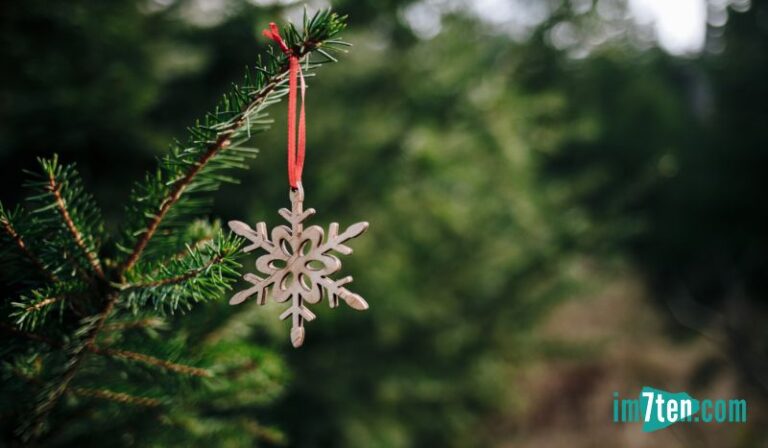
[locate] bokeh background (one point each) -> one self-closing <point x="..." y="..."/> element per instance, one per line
<point x="567" y="199"/>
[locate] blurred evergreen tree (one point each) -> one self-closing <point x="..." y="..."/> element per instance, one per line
<point x="464" y="252"/>
<point x="673" y="175"/>
<point x="493" y="172"/>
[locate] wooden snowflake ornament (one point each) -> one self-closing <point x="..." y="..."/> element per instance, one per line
<point x="298" y="264"/>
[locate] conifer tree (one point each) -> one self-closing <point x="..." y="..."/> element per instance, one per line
<point x="85" y="323"/>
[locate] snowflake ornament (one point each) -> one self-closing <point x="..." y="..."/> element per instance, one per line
<point x="298" y="264"/>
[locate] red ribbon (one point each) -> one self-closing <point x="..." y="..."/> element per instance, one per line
<point x="296" y="145"/>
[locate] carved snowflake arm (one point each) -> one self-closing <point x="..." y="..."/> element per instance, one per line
<point x="297" y="309"/>
<point x="259" y="288"/>
<point x="259" y="237"/>
<point x="336" y="290"/>
<point x="336" y="241"/>
<point x="296" y="217"/>
<point x="298" y="314"/>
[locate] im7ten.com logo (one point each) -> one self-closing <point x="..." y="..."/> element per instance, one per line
<point x="658" y="409"/>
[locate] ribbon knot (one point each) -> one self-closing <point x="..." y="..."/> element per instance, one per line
<point x="273" y="33"/>
<point x="296" y="143"/>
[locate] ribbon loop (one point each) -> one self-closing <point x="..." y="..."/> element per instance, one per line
<point x="296" y="143"/>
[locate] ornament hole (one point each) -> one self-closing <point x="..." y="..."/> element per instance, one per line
<point x="306" y="282"/>
<point x="278" y="264"/>
<point x="287" y="249"/>
<point x="287" y="281"/>
<point x="314" y="265"/>
<point x="306" y="247"/>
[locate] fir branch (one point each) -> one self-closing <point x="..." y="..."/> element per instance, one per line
<point x="67" y="218"/>
<point x="11" y="232"/>
<point x="51" y="398"/>
<point x="72" y="230"/>
<point x="104" y="394"/>
<point x="115" y="353"/>
<point x="194" y="237"/>
<point x="33" y="307"/>
<point x="202" y="275"/>
<point x="119" y="397"/>
<point x="55" y="188"/>
<point x="151" y="360"/>
<point x="180" y="278"/>
<point x="43" y="303"/>
<point x="196" y="166"/>
<point x="154" y="222"/>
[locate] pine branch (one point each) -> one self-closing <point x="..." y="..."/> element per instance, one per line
<point x="11" y="232"/>
<point x="67" y="219"/>
<point x="119" y="397"/>
<point x="149" y="267"/>
<point x="180" y="278"/>
<point x="51" y="398"/>
<point x="216" y="145"/>
<point x="115" y="353"/>
<point x="222" y="142"/>
<point x="33" y="307"/>
<point x="55" y="188"/>
<point x="151" y="360"/>
<point x="203" y="274"/>
<point x="43" y="303"/>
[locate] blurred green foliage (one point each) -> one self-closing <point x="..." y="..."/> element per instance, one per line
<point x="495" y="172"/>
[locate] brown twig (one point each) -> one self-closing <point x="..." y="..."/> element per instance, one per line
<point x="179" y="278"/>
<point x="104" y="394"/>
<point x="24" y="249"/>
<point x="119" y="397"/>
<point x="69" y="374"/>
<point x="61" y="205"/>
<point x="124" y="354"/>
<point x="43" y="303"/>
<point x="221" y="143"/>
<point x="151" y="360"/>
